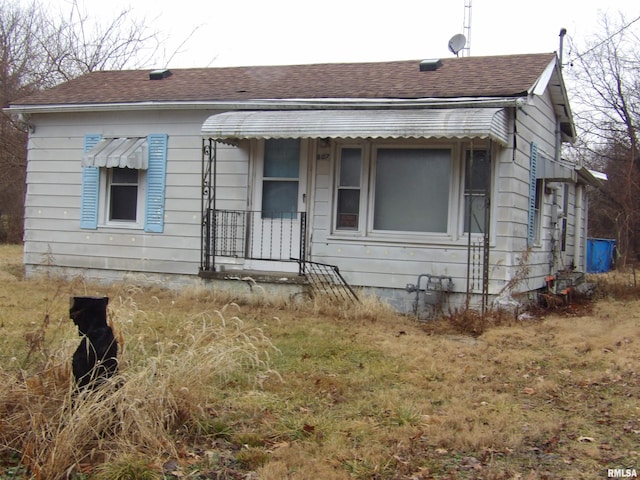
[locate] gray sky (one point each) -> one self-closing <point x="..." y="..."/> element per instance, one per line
<point x="260" y="32"/>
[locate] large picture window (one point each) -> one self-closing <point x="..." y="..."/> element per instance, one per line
<point x="417" y="191"/>
<point x="412" y="189"/>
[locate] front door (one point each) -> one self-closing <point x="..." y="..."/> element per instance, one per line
<point x="280" y="198"/>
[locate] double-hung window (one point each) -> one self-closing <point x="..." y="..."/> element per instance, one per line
<point x="124" y="191"/>
<point x="123" y="182"/>
<point x="349" y="187"/>
<point x="476" y="189"/>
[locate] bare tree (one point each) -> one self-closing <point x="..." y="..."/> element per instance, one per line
<point x="79" y="44"/>
<point x="607" y="99"/>
<point x="39" y="49"/>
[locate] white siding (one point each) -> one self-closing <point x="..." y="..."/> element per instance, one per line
<point x="53" y="206"/>
<point x="374" y="261"/>
<point x="53" y="194"/>
<point x="367" y="261"/>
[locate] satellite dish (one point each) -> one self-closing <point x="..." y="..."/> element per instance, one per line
<point x="457" y="43"/>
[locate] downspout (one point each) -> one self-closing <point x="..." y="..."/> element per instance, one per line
<point x="469" y="176"/>
<point x="580" y="240"/>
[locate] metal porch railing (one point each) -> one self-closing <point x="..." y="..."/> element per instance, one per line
<point x="326" y="280"/>
<point x="254" y="235"/>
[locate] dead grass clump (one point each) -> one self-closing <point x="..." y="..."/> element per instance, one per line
<point x="468" y="322"/>
<point x="617" y="284"/>
<point x="368" y="307"/>
<point x="156" y="395"/>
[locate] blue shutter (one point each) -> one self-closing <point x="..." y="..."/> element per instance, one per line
<point x="156" y="174"/>
<point x="533" y="177"/>
<point x="90" y="186"/>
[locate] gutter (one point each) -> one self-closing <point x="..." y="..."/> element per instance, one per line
<point x="275" y="104"/>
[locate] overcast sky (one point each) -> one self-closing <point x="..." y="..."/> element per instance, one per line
<point x="261" y="32"/>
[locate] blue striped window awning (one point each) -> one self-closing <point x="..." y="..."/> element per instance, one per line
<point x="120" y="152"/>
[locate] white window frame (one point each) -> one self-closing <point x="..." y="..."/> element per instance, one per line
<point x="104" y="201"/>
<point x="538" y="212"/>
<point x="462" y="228"/>
<point x="364" y="188"/>
<point x="367" y="201"/>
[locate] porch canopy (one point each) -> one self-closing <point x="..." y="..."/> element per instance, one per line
<point x="129" y="152"/>
<point x="379" y="123"/>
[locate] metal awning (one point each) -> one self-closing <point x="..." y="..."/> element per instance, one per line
<point x="394" y="123"/>
<point x="553" y="171"/>
<point x="129" y="152"/>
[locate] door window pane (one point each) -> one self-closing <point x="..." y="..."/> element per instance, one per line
<point x="280" y="178"/>
<point x="412" y="189"/>
<point x="279" y="199"/>
<point x="282" y="158"/>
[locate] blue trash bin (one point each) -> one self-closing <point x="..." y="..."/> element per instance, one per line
<point x="600" y="254"/>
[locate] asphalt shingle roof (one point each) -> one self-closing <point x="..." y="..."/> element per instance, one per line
<point x="491" y="76"/>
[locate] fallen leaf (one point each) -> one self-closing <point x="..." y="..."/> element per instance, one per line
<point x="528" y="390"/>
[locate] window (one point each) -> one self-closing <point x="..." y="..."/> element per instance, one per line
<point x="476" y="187"/>
<point x="565" y="207"/>
<point x="348" y="201"/>
<point x="412" y="189"/>
<point x="537" y="217"/>
<point x="533" y="219"/>
<point x="118" y="196"/>
<point x="280" y="178"/>
<point x="123" y="194"/>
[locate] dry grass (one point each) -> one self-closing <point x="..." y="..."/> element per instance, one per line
<point x="212" y="386"/>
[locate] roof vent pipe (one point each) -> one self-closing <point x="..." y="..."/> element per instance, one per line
<point x="159" y="74"/>
<point x="563" y="32"/>
<point x="430" y="65"/>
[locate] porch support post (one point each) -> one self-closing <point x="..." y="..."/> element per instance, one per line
<point x="208" y="205"/>
<point x="303" y="243"/>
<point x="486" y="238"/>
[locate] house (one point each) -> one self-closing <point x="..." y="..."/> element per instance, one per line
<point x="425" y="182"/>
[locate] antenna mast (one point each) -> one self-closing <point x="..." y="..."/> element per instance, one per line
<point x="466" y="28"/>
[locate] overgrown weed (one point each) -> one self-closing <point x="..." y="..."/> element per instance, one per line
<point x="211" y="387"/>
<point x="162" y="388"/>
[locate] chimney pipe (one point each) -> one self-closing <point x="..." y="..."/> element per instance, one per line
<point x="563" y="32"/>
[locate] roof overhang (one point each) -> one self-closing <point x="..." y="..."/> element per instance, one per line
<point x="591" y="177"/>
<point x="552" y="171"/>
<point x="551" y="79"/>
<point x="458" y="123"/>
<point x="273" y="104"/>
